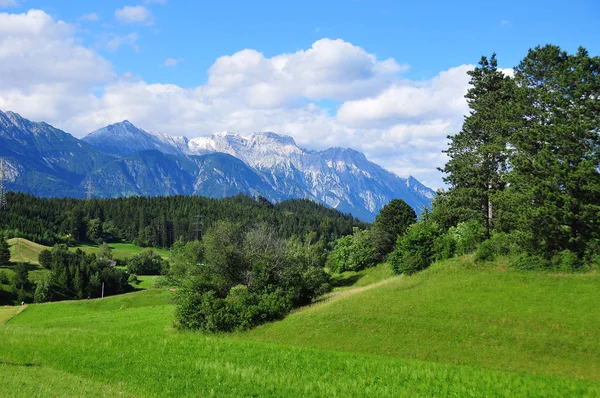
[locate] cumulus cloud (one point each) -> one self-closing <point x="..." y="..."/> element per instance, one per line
<point x="36" y="50"/>
<point x="407" y="101"/>
<point x="46" y="74"/>
<point x="134" y="14"/>
<point x="331" y="69"/>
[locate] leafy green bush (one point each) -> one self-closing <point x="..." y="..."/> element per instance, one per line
<point x="133" y="280"/>
<point x="445" y="245"/>
<point x="248" y="279"/>
<point x="44" y="290"/>
<point x="415" y="250"/>
<point x="356" y="252"/>
<point x="468" y="235"/>
<point x="500" y="244"/>
<point x="164" y="281"/>
<point x="528" y="261"/>
<point x="486" y="251"/>
<point x="566" y="261"/>
<point x="146" y="263"/>
<point x="240" y="310"/>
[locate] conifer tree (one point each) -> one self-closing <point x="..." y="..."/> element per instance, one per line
<point x="556" y="161"/>
<point x="4" y="253"/>
<point x="478" y="153"/>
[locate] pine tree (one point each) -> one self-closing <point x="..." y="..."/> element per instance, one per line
<point x="557" y="150"/>
<point x="478" y="153"/>
<point x="4" y="253"/>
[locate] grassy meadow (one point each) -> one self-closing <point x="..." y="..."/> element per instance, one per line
<point x="121" y="251"/>
<point x="25" y="251"/>
<point x="455" y="329"/>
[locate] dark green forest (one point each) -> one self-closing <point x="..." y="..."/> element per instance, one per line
<point x="161" y="221"/>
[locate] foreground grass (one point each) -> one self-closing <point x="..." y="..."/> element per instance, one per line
<point x="457" y="313"/>
<point x="28" y="380"/>
<point x="440" y="333"/>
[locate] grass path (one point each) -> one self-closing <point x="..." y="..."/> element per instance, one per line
<point x="342" y="293"/>
<point x="9" y="312"/>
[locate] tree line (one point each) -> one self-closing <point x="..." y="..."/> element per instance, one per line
<point x="523" y="173"/>
<point x="161" y="221"/>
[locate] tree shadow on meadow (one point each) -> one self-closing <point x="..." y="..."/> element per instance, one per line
<point x="345" y="281"/>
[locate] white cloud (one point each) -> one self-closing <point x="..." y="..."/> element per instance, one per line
<point x="8" y="3"/>
<point x="170" y="62"/>
<point x="406" y="101"/>
<point x="90" y="17"/>
<point x="46" y="74"/>
<point x="330" y="69"/>
<point x="134" y="14"/>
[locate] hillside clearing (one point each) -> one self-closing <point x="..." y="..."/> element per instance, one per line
<point x="23" y="250"/>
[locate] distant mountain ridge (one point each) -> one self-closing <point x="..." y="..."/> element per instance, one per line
<point x="124" y="160"/>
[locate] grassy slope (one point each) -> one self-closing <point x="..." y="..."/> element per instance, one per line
<point x="459" y="314"/>
<point x="23" y="250"/>
<point x="123" y="250"/>
<point x="126" y="343"/>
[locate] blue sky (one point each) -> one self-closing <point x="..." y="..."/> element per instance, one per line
<point x="430" y="36"/>
<point x="384" y="77"/>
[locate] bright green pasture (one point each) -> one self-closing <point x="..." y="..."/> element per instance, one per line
<point x="123" y="250"/>
<point x="24" y="251"/>
<point x="457" y="313"/>
<point x="454" y="330"/>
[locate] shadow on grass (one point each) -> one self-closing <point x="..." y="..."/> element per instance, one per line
<point x="30" y="266"/>
<point x="27" y="365"/>
<point x="345" y="281"/>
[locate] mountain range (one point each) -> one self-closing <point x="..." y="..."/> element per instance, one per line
<point x="124" y="160"/>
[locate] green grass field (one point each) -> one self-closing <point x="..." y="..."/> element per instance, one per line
<point x="453" y="330"/>
<point x="23" y="250"/>
<point x="123" y="250"/>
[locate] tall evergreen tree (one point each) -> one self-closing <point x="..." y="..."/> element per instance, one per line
<point x="478" y="153"/>
<point x="557" y="150"/>
<point x="4" y="252"/>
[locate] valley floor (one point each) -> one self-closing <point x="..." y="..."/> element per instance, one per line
<point x="454" y="330"/>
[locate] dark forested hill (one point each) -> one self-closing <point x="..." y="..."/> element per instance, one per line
<point x="160" y="221"/>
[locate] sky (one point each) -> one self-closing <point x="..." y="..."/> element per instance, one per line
<point x="387" y="78"/>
